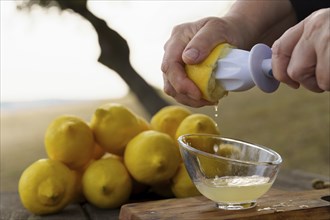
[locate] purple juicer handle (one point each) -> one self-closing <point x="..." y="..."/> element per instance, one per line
<point x="260" y="67"/>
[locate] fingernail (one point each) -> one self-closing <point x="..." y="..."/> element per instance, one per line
<point x="191" y="54"/>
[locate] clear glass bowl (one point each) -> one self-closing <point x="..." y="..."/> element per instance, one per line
<point x="232" y="173"/>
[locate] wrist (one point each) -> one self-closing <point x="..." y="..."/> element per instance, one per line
<point x="243" y="35"/>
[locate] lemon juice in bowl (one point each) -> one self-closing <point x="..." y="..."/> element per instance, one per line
<point x="235" y="175"/>
<point x="234" y="189"/>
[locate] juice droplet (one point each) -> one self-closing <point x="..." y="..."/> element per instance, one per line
<point x="216" y="113"/>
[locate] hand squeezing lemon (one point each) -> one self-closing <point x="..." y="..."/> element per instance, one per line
<point x="202" y="74"/>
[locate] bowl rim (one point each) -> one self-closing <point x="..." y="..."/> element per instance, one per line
<point x="277" y="161"/>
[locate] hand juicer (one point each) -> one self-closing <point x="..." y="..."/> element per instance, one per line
<point x="241" y="70"/>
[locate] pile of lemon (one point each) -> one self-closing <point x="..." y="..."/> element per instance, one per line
<point x="117" y="155"/>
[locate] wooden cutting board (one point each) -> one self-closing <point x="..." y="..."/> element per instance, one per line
<point x="276" y="204"/>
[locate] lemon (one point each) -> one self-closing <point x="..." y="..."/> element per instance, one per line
<point x="152" y="157"/>
<point x="181" y="184"/>
<point x="229" y="151"/>
<point x="106" y="183"/>
<point x="137" y="188"/>
<point x="70" y="140"/>
<point x="214" y="167"/>
<point x="46" y="187"/>
<point x="195" y="124"/>
<point x="114" y="126"/>
<point x="168" y="119"/>
<point x="79" y="174"/>
<point x="202" y="74"/>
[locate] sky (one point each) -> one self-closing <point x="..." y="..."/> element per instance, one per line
<point x="48" y="54"/>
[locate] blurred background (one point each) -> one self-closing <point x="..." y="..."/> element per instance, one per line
<point x="49" y="67"/>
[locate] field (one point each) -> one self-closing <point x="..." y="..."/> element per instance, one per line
<point x="294" y="123"/>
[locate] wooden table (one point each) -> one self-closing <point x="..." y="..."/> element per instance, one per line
<point x="12" y="209"/>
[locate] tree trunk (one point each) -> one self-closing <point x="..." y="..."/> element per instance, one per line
<point x="115" y="55"/>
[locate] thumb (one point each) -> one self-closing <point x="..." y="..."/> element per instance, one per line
<point x="201" y="45"/>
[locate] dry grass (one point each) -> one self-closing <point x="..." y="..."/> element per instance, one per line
<point x="293" y="122"/>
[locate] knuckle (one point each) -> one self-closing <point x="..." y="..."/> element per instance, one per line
<point x="165" y="67"/>
<point x="293" y="73"/>
<point x="179" y="28"/>
<point x="276" y="48"/>
<point x="312" y="28"/>
<point x="168" y="89"/>
<point x="316" y="22"/>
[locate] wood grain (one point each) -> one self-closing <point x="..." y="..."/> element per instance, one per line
<point x="275" y="204"/>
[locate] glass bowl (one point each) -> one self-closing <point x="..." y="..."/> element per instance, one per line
<point x="232" y="173"/>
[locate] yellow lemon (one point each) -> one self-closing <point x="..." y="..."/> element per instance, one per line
<point x="79" y="174"/>
<point x="114" y="126"/>
<point x="229" y="151"/>
<point x="233" y="152"/>
<point x="137" y="188"/>
<point x="199" y="123"/>
<point x="70" y="140"/>
<point x="152" y="157"/>
<point x="181" y="184"/>
<point x="212" y="167"/>
<point x="46" y="187"/>
<point x="168" y="119"/>
<point x="202" y="74"/>
<point x="106" y="183"/>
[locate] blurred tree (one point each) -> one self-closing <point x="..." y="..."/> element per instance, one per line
<point x="114" y="51"/>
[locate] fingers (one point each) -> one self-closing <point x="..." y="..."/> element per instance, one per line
<point x="211" y="32"/>
<point x="282" y="53"/>
<point x="322" y="70"/>
<point x="176" y="81"/>
<point x="323" y="67"/>
<point x="183" y="99"/>
<point x="302" y="65"/>
<point x="175" y="77"/>
<point x="180" y="49"/>
<point x="301" y="56"/>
